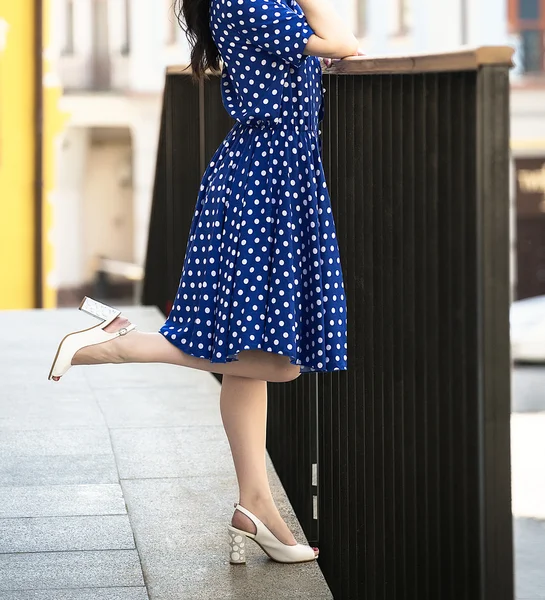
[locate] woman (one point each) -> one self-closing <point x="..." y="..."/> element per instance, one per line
<point x="261" y="295"/>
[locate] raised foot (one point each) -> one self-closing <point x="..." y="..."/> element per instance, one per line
<point x="95" y="345"/>
<point x="105" y="353"/>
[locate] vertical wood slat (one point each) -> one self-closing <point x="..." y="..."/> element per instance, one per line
<point x="368" y="127"/>
<point x="155" y="291"/>
<point x="409" y="189"/>
<point x="179" y="169"/>
<point x="342" y="210"/>
<point x="421" y="523"/>
<point x="445" y="337"/>
<point x="431" y="272"/>
<point x="457" y="186"/>
<point x="412" y="442"/>
<point x="378" y="372"/>
<point x="398" y="265"/>
<point x="183" y="132"/>
<point x="493" y="220"/>
<point x="354" y="153"/>
<point x="389" y="176"/>
<point x="357" y="336"/>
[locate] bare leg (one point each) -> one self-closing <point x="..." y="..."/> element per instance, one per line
<point x="139" y="347"/>
<point x="243" y="403"/>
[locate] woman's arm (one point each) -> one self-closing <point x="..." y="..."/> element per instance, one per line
<point x="332" y="37"/>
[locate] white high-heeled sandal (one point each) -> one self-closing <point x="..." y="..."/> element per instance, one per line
<point x="77" y="340"/>
<point x="269" y="543"/>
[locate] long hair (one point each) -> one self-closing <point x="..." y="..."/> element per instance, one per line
<point x="193" y="17"/>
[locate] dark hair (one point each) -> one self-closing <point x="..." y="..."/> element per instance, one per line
<point x="194" y="17"/>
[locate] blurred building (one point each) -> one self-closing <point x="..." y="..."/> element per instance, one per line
<point x="29" y="123"/>
<point x="409" y="26"/>
<point x="111" y="57"/>
<point x="527" y="26"/>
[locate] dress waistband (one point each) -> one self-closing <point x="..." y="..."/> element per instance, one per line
<point x="264" y="125"/>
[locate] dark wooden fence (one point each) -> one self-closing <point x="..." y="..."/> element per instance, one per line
<point x="398" y="468"/>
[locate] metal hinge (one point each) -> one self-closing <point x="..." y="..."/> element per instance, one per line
<point x="315" y="497"/>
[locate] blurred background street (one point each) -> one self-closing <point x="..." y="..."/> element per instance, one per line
<point x="104" y="67"/>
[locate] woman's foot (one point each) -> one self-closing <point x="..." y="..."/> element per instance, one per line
<point x="107" y="352"/>
<point x="266" y="512"/>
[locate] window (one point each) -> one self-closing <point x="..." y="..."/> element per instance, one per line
<point x="532" y="50"/>
<point x="69" y="27"/>
<point x="403" y="10"/>
<point x="528" y="10"/>
<point x="126" y="46"/>
<point x="172" y="24"/>
<point x="4" y="27"/>
<point x="361" y="17"/>
<point x="527" y="19"/>
<point x="399" y="17"/>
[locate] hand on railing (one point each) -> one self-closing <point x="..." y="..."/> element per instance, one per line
<point x="329" y="61"/>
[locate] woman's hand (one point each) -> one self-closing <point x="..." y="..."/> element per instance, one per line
<point x="329" y="61"/>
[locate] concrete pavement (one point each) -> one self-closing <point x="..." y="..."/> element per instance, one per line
<point x="117" y="483"/>
<point x="528" y="480"/>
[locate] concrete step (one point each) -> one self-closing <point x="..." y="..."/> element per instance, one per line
<point x="117" y="483"/>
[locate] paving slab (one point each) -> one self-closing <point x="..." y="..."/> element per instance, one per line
<point x="146" y="376"/>
<point x="119" y="593"/>
<point x="54" y="470"/>
<point x="42" y="570"/>
<point x="528" y="474"/>
<point x="50" y="534"/>
<point x="528" y="383"/>
<point x="215" y="578"/>
<point x="60" y="500"/>
<point x="55" y="442"/>
<point x="171" y="452"/>
<point x="180" y="529"/>
<point x="193" y="502"/>
<point x="530" y="559"/>
<point x="159" y="407"/>
<point x="31" y="376"/>
<point x="26" y="411"/>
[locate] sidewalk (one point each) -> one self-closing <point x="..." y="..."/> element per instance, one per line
<point x="117" y="483"/>
<point x="528" y="478"/>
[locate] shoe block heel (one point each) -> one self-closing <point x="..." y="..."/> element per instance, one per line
<point x="237" y="546"/>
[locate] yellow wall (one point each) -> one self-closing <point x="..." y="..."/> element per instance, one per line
<point x="54" y="122"/>
<point x="16" y="156"/>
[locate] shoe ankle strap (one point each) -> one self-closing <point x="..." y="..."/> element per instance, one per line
<point x="250" y="515"/>
<point x="125" y="330"/>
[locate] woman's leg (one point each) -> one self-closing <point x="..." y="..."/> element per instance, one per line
<point x="243" y="403"/>
<point x="140" y="347"/>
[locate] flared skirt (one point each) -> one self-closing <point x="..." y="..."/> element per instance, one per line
<point x="262" y="268"/>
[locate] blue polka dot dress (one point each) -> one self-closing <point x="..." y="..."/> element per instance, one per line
<point x="262" y="268"/>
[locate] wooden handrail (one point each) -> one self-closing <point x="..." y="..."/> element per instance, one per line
<point x="464" y="59"/>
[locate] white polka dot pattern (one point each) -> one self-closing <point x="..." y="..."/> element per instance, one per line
<point x="237" y="548"/>
<point x="262" y="267"/>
